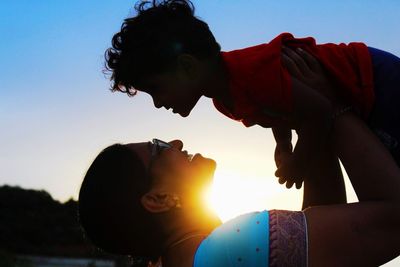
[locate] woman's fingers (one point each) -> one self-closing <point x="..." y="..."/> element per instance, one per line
<point x="310" y="60"/>
<point x="300" y="62"/>
<point x="291" y="66"/>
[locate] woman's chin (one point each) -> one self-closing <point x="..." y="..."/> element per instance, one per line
<point x="203" y="160"/>
<point x="205" y="166"/>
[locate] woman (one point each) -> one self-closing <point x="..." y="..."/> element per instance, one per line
<point x="145" y="199"/>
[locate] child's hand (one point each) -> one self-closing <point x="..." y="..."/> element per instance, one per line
<point x="282" y="152"/>
<point x="291" y="171"/>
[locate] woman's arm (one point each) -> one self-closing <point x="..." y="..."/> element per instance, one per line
<point x="364" y="233"/>
<point x="324" y="185"/>
<point x="358" y="234"/>
<point x="331" y="189"/>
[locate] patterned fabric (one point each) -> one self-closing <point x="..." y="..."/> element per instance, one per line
<point x="288" y="239"/>
<point x="276" y="238"/>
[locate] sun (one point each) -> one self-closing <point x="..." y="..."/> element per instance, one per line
<point x="232" y="194"/>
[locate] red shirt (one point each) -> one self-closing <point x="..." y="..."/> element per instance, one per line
<point x="260" y="86"/>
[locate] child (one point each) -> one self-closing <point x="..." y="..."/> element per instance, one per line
<point x="168" y="53"/>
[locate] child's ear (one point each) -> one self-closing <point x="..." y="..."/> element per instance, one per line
<point x="156" y="202"/>
<point x="188" y="64"/>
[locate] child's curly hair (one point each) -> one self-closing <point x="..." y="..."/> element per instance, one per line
<point x="150" y="42"/>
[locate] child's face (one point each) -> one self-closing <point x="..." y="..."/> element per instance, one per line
<point x="178" y="89"/>
<point x="173" y="90"/>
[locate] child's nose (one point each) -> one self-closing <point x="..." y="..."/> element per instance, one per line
<point x="157" y="103"/>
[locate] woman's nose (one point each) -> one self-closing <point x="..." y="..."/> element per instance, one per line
<point x="177" y="144"/>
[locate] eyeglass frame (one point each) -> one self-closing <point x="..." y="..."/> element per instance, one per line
<point x="158" y="145"/>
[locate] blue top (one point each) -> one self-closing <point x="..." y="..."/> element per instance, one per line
<point x="243" y="241"/>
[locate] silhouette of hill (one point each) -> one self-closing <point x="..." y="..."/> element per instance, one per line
<point x="33" y="223"/>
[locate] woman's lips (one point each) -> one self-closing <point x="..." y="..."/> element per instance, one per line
<point x="195" y="156"/>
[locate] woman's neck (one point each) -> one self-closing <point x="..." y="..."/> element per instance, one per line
<point x="185" y="234"/>
<point x="183" y="229"/>
<point x="181" y="253"/>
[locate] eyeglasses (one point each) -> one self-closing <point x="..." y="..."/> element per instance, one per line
<point x="158" y="146"/>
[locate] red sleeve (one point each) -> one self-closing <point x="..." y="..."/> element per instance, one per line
<point x="269" y="84"/>
<point x="349" y="65"/>
<point x="261" y="88"/>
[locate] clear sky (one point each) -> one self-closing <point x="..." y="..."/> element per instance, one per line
<point x="56" y="112"/>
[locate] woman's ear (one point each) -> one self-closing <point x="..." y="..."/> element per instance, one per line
<point x="156" y="202"/>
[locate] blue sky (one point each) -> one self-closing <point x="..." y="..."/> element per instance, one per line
<point x="56" y="112"/>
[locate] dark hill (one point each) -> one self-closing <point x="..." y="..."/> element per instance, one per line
<point x="33" y="223"/>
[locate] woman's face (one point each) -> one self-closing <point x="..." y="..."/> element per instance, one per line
<point x="174" y="170"/>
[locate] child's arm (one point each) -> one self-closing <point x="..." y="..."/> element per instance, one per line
<point x="283" y="136"/>
<point x="324" y="184"/>
<point x="283" y="139"/>
<point x="311" y="118"/>
<point x="305" y="68"/>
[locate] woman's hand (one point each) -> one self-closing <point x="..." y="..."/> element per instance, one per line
<point x="306" y="68"/>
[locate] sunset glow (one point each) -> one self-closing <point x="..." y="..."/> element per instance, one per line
<point x="233" y="194"/>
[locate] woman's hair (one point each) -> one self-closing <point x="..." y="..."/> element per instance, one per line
<point x="150" y="42"/>
<point x="110" y="210"/>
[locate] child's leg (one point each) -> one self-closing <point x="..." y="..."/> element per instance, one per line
<point x="384" y="119"/>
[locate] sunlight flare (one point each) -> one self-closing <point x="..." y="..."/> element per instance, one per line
<point x="232" y="194"/>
